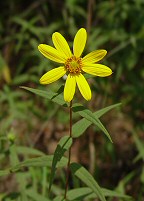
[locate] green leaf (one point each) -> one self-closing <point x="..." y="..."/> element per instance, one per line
<point x="142" y="175"/>
<point x="80" y="109"/>
<point x="59" y="198"/>
<point x="140" y="147"/>
<point x="28" y="151"/>
<point x="101" y="112"/>
<point x="63" y="145"/>
<point x="58" y="98"/>
<point x="86" y="192"/>
<point x="35" y="196"/>
<point x="111" y="193"/>
<point x="79" y="127"/>
<point x="125" y="181"/>
<point x="88" y="179"/>
<point x="43" y="161"/>
<point x="79" y="193"/>
<point x="35" y="162"/>
<point x="55" y="97"/>
<point x="20" y="178"/>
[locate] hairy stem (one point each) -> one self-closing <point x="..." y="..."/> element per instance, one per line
<point x="69" y="155"/>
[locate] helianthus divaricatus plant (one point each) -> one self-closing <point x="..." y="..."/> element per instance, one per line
<point x="72" y="64"/>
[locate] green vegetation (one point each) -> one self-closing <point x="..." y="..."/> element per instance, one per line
<point x="31" y="126"/>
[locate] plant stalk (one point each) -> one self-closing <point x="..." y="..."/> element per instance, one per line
<point x="69" y="154"/>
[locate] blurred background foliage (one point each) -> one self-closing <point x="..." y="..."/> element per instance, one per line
<point x="114" y="25"/>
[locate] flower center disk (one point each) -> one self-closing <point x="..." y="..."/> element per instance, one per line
<point x="73" y="65"/>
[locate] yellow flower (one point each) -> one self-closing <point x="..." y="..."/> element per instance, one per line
<point x="73" y="64"/>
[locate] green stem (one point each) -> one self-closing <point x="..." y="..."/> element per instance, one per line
<point x="69" y="156"/>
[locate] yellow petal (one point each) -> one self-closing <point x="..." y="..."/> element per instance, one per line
<point x="61" y="45"/>
<point x="51" y="53"/>
<point x="94" y="56"/>
<point x="97" y="70"/>
<point x="69" y="89"/>
<point x="79" y="42"/>
<point x="83" y="86"/>
<point x="52" y="75"/>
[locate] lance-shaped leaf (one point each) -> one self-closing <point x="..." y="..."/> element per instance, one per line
<point x="87" y="193"/>
<point x="63" y="145"/>
<point x="55" y="97"/>
<point x="43" y="161"/>
<point x="79" y="127"/>
<point x="58" y="98"/>
<point x="80" y="109"/>
<point x="31" y="193"/>
<point x="88" y="179"/>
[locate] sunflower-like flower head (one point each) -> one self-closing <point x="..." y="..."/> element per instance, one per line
<point x="73" y="64"/>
